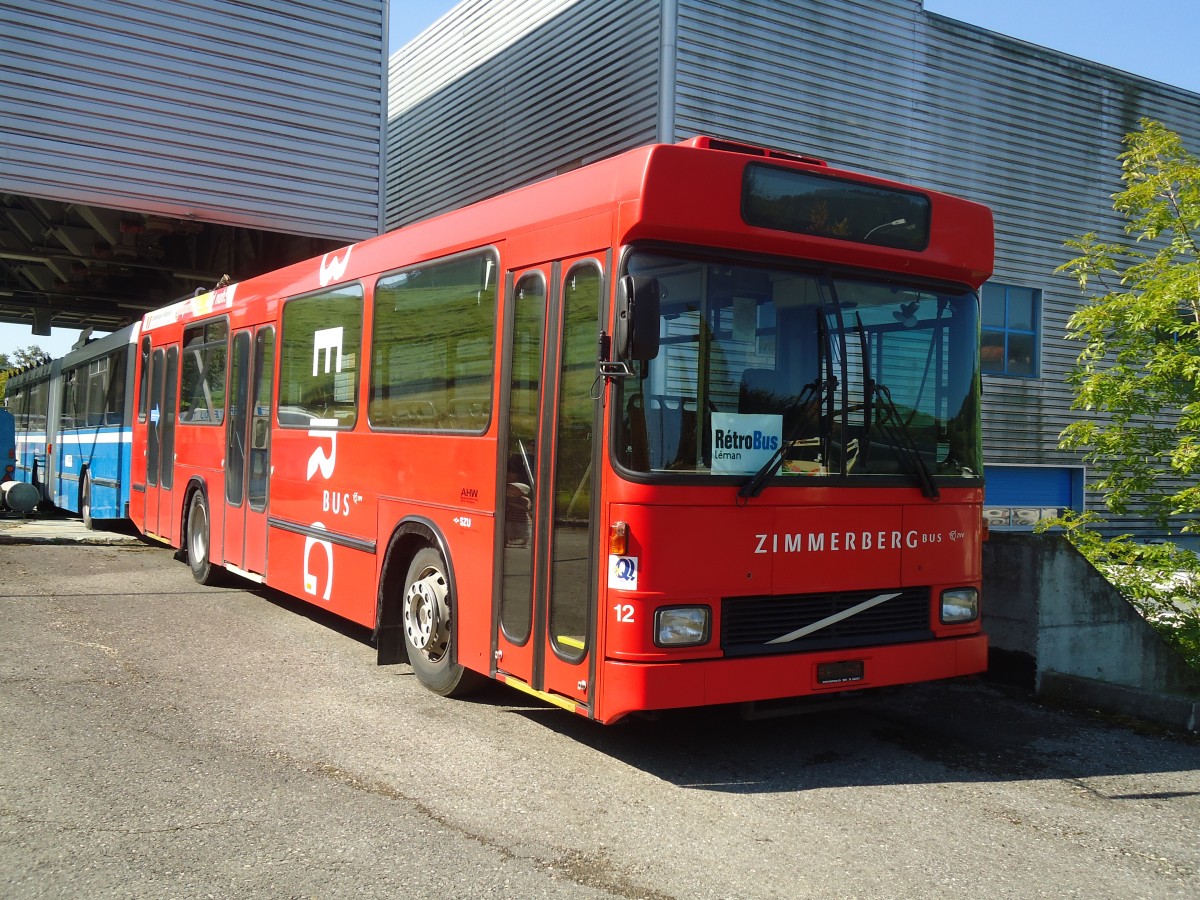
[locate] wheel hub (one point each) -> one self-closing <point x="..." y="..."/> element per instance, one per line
<point x="198" y="533"/>
<point x="426" y="615"/>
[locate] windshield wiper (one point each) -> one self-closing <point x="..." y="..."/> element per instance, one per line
<point x="896" y="431"/>
<point x="814" y="390"/>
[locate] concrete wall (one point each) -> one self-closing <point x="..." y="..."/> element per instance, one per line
<point x="1056" y="625"/>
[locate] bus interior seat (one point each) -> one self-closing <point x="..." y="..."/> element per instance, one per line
<point x="674" y="439"/>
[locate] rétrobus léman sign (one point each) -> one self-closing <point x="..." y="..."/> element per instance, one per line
<point x="742" y="444"/>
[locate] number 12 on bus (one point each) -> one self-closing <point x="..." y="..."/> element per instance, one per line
<point x="697" y="424"/>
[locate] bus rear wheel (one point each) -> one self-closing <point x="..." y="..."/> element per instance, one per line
<point x="85" y="502"/>
<point x="427" y="614"/>
<point x="199" y="544"/>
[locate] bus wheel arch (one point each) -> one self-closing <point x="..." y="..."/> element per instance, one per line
<point x="416" y="612"/>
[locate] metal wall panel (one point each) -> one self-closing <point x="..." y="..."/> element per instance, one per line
<point x="881" y="86"/>
<point x="826" y="77"/>
<point x="502" y="93"/>
<point x="266" y="114"/>
<point x="887" y="88"/>
<point x="1035" y="135"/>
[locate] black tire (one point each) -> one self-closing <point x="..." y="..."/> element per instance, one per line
<point x="427" y="619"/>
<point x="85" y="502"/>
<point x="199" y="541"/>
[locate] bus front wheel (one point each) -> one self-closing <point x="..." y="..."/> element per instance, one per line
<point x="427" y="613"/>
<point x="199" y="544"/>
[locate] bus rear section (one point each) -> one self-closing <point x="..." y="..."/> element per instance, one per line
<point x="73" y="428"/>
<point x="94" y="438"/>
<point x="15" y="496"/>
<point x="29" y="396"/>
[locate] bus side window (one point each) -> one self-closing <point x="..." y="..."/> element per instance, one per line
<point x="319" y="351"/>
<point x="144" y="383"/>
<point x="202" y="387"/>
<point x="114" y="395"/>
<point x="433" y="346"/>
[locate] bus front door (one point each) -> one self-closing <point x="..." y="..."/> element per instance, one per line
<point x="547" y="542"/>
<point x="160" y="444"/>
<point x="248" y="449"/>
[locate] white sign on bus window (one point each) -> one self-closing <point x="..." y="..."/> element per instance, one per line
<point x="742" y="444"/>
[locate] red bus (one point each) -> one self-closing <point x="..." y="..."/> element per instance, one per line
<point x="697" y="424"/>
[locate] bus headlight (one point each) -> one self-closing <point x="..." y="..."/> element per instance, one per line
<point x="960" y="605"/>
<point x="681" y="626"/>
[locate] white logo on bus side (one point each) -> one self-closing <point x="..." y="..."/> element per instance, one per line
<point x="310" y="580"/>
<point x="327" y="341"/>
<point x="332" y="268"/>
<point x="320" y="461"/>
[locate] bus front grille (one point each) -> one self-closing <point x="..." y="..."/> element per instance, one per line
<point x="761" y="625"/>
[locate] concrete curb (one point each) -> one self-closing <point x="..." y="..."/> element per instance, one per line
<point x="59" y="530"/>
<point x="1173" y="710"/>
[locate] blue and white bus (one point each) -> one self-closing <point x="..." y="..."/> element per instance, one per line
<point x="73" y="431"/>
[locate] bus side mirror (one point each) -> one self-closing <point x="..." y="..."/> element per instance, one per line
<point x="636" y="331"/>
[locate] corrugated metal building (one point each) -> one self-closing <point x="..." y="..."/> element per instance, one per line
<point x="499" y="93"/>
<point x="182" y="140"/>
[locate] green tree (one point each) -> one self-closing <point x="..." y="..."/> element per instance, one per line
<point x="1139" y="375"/>
<point x="33" y="355"/>
<point x="1140" y="366"/>
<point x="22" y="357"/>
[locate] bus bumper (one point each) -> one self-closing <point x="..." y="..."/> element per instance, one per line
<point x="632" y="687"/>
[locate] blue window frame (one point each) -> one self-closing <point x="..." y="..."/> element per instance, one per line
<point x="1010" y="323"/>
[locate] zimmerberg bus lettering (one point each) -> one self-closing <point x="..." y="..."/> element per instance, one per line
<point x="839" y="541"/>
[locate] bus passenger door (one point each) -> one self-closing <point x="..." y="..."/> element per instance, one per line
<point x="248" y="449"/>
<point x="547" y="542"/>
<point x="160" y="443"/>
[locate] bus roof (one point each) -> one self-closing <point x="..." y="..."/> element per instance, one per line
<point x="688" y="193"/>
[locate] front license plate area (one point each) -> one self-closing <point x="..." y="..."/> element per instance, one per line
<point x="843" y="671"/>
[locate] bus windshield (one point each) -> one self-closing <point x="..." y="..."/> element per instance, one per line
<point x="783" y="374"/>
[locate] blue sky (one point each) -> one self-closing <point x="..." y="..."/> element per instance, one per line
<point x="1157" y="39"/>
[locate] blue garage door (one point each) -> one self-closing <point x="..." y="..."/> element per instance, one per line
<point x="1033" y="486"/>
<point x="1022" y="495"/>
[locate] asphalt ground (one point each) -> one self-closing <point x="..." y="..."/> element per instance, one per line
<point x="163" y="739"/>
